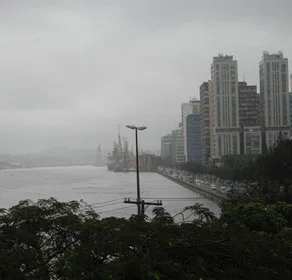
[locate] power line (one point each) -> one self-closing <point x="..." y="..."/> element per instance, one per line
<point x="100" y="203"/>
<point x="105" y="205"/>
<point x="115" y="209"/>
<point x="119" y="200"/>
<point x="174" y="198"/>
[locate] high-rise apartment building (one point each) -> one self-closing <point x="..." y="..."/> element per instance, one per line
<point x="166" y="147"/>
<point x="192" y="107"/>
<point x="274" y="87"/>
<point x="211" y="123"/>
<point x="205" y="102"/>
<point x="177" y="146"/>
<point x="249" y="119"/>
<point x="249" y="105"/>
<point x="290" y="110"/>
<point x="225" y="107"/>
<point x="194" y="151"/>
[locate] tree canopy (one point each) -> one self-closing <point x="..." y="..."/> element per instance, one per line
<point x="54" y="240"/>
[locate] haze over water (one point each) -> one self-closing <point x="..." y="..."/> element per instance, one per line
<point x="95" y="185"/>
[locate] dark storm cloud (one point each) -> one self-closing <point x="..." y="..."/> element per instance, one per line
<point x="71" y="71"/>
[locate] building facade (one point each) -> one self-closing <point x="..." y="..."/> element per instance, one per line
<point x="205" y="121"/>
<point x="194" y="148"/>
<point x="177" y="146"/>
<point x="274" y="87"/>
<point x="249" y="105"/>
<point x="252" y="140"/>
<point x="166" y="147"/>
<point x="225" y="106"/>
<point x="249" y="119"/>
<point x="290" y="110"/>
<point x="211" y="124"/>
<point x="192" y="107"/>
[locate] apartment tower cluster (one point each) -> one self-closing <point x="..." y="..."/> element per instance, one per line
<point x="231" y="117"/>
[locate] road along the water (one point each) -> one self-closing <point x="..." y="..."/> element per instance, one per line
<point x="97" y="186"/>
<point x="202" y="188"/>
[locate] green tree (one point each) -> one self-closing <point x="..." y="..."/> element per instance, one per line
<point x="54" y="240"/>
<point x="285" y="209"/>
<point x="256" y="216"/>
<point x="274" y="172"/>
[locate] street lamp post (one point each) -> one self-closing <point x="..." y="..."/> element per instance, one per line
<point x="137" y="164"/>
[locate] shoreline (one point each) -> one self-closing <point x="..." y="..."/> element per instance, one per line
<point x="211" y="196"/>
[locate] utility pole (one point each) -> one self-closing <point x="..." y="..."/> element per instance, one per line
<point x="137" y="172"/>
<point x="140" y="204"/>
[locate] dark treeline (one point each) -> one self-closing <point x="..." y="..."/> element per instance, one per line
<point x="53" y="240"/>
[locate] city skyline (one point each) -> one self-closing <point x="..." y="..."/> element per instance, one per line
<point x="232" y="117"/>
<point x="72" y="71"/>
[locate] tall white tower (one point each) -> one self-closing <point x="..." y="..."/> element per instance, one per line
<point x="274" y="88"/>
<point x="225" y="109"/>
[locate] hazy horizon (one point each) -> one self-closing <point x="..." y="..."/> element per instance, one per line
<point x="71" y="71"/>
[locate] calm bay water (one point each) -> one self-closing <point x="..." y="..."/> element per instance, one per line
<point x="97" y="186"/>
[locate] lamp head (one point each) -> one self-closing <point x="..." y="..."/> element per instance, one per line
<point x="131" y="126"/>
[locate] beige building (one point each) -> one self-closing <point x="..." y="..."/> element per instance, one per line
<point x="225" y="107"/>
<point x="166" y="147"/>
<point x="274" y="88"/>
<point x="205" y="121"/>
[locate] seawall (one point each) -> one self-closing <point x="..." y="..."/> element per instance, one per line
<point x="205" y="193"/>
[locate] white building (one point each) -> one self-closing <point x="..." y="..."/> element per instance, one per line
<point x="166" y="147"/>
<point x="274" y="88"/>
<point x="177" y="146"/>
<point x="192" y="107"/>
<point x="225" y="107"/>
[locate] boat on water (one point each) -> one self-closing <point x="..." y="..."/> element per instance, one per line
<point x="110" y="162"/>
<point x="123" y="160"/>
<point x="118" y="160"/>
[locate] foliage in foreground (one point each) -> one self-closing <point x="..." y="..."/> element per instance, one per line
<point x="53" y="240"/>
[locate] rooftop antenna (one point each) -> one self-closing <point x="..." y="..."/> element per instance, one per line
<point x="244" y="77"/>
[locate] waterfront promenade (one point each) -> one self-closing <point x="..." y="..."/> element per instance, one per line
<point x="199" y="186"/>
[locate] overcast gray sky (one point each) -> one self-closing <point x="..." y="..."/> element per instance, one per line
<point x="71" y="71"/>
